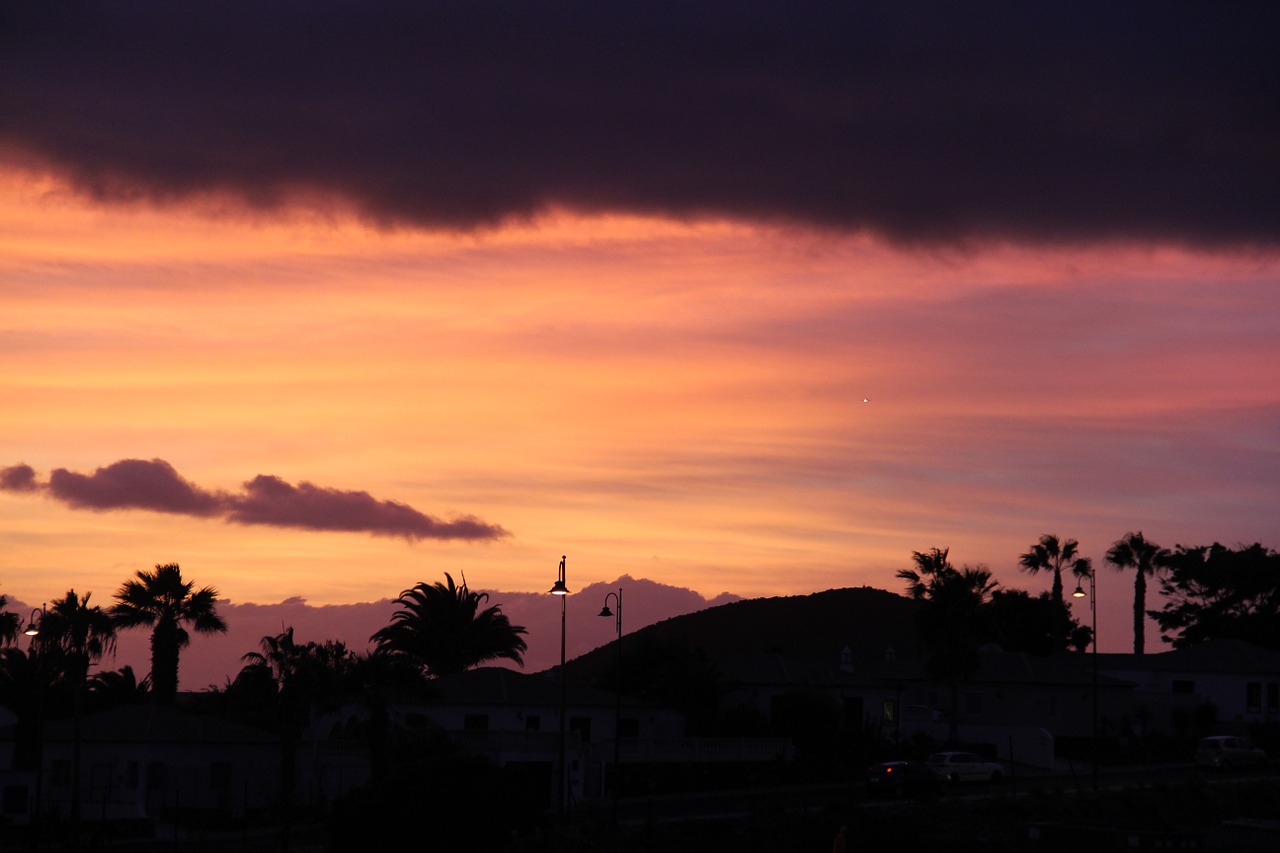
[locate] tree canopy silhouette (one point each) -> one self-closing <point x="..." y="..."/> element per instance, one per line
<point x="444" y="628"/>
<point x="9" y="623"/>
<point x="1216" y="592"/>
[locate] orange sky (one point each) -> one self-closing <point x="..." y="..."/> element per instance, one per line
<point x="675" y="400"/>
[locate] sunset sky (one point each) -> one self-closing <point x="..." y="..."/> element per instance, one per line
<point x="321" y="299"/>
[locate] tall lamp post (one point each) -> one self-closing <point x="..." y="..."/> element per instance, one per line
<point x="561" y="590"/>
<point x="32" y="631"/>
<point x="1093" y="617"/>
<point x="616" y="779"/>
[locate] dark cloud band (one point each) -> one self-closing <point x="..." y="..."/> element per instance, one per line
<point x="1041" y="122"/>
<point x="154" y="485"/>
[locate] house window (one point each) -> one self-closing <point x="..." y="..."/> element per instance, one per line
<point x="99" y="779"/>
<point x="1273" y="697"/>
<point x="533" y="723"/>
<point x="1253" y="696"/>
<point x="475" y="722"/>
<point x="131" y="775"/>
<point x="220" y="776"/>
<point x="1185" y="687"/>
<point x="15" y="799"/>
<point x="628" y="727"/>
<point x="155" y="776"/>
<point x="581" y="725"/>
<point x="853" y="713"/>
<point x="61" y="773"/>
<point x="890" y="711"/>
<point x="973" y="704"/>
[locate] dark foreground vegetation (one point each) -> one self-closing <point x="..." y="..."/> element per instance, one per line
<point x="424" y="789"/>
<point x="1172" y="809"/>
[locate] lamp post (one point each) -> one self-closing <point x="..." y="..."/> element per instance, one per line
<point x="616" y="779"/>
<point x="32" y="631"/>
<point x="561" y="590"/>
<point x="1093" y="617"/>
<point x="32" y="628"/>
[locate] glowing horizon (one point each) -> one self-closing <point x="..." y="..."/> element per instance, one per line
<point x="681" y="401"/>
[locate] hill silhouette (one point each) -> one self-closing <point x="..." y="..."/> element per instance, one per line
<point x="815" y="627"/>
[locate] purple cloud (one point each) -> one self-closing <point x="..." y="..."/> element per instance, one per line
<point x="133" y="484"/>
<point x="266" y="500"/>
<point x="270" y="500"/>
<point x="1038" y="122"/>
<point x="18" y="478"/>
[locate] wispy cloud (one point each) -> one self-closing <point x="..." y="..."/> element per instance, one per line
<point x="1038" y="122"/>
<point x="154" y="485"/>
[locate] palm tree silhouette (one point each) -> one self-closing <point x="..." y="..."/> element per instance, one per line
<point x="77" y="634"/>
<point x="1133" y="551"/>
<point x="930" y="565"/>
<point x="290" y="676"/>
<point x="950" y="620"/>
<point x="115" y="687"/>
<point x="1053" y="555"/>
<point x="163" y="601"/>
<point x="442" y="627"/>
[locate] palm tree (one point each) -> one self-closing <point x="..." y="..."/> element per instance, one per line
<point x="950" y="619"/>
<point x="442" y="627"/>
<point x="163" y="601"/>
<point x="1053" y="555"/>
<point x="300" y="673"/>
<point x="116" y="687"/>
<point x="1133" y="551"/>
<point x="289" y="677"/>
<point x="28" y="685"/>
<point x="929" y="565"/>
<point x="77" y="633"/>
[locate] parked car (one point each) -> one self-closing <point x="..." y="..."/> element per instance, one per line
<point x="965" y="767"/>
<point x="903" y="779"/>
<point x="1225" y="751"/>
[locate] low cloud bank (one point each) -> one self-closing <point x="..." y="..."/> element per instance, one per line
<point x="212" y="659"/>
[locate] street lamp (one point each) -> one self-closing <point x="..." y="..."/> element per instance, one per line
<point x="32" y="627"/>
<point x="1093" y="616"/>
<point x="560" y="589"/>
<point x="616" y="779"/>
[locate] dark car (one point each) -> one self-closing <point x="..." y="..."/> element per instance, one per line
<point x="903" y="779"/>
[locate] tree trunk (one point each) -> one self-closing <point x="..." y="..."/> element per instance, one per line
<point x="164" y="662"/>
<point x="1060" y="619"/>
<point x="1139" y="612"/>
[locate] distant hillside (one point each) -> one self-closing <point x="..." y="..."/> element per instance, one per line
<point x="812" y="627"/>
